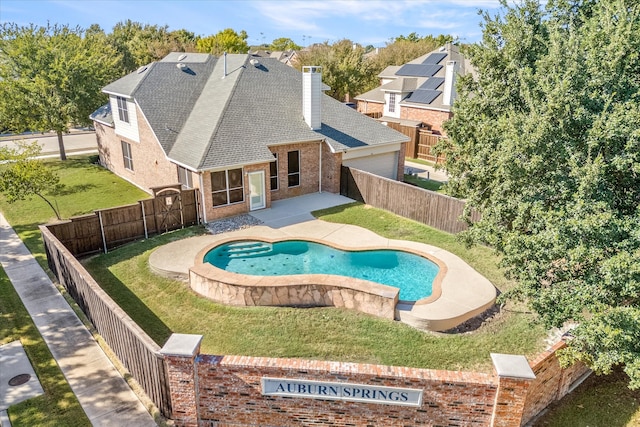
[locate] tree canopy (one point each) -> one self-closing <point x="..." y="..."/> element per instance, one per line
<point x="344" y="67"/>
<point x="545" y="144"/>
<point x="23" y="176"/>
<point x="226" y="40"/>
<point x="284" y="43"/>
<point x="50" y="77"/>
<point x="140" y="44"/>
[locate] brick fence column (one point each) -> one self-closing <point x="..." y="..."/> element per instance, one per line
<point x="180" y="352"/>
<point x="515" y="376"/>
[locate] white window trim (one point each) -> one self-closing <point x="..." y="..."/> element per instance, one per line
<point x="276" y="176"/>
<point x="123" y="109"/>
<point x="127" y="159"/>
<point x="186" y="174"/>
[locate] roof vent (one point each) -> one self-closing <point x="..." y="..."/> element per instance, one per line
<point x="254" y="62"/>
<point x="142" y="69"/>
<point x="442" y="49"/>
<point x="182" y="57"/>
<point x="181" y="66"/>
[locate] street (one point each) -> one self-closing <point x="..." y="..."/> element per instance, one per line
<point x="75" y="142"/>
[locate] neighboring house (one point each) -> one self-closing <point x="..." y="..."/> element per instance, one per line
<point x="286" y="57"/>
<point x="242" y="130"/>
<point x="419" y="92"/>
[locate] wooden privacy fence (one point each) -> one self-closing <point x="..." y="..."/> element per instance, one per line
<point x="428" y="207"/>
<point x="421" y="141"/>
<point x="133" y="347"/>
<point x="171" y="208"/>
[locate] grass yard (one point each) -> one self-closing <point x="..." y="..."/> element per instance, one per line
<point x="58" y="406"/>
<point x="86" y="187"/>
<point x="427" y="184"/>
<point x="162" y="306"/>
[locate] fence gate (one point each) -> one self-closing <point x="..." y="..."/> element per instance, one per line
<point x="168" y="208"/>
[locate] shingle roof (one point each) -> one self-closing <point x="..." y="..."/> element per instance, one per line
<point x="103" y="115"/>
<point x="204" y="121"/>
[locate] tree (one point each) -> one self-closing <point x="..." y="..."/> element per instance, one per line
<point x="344" y="68"/>
<point x="22" y="175"/>
<point x="139" y="44"/>
<point x="545" y="144"/>
<point x="226" y="40"/>
<point x="284" y="43"/>
<point x="50" y="77"/>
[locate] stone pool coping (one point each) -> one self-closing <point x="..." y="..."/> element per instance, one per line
<point x="463" y="292"/>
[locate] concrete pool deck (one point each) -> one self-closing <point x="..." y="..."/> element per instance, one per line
<point x="465" y="293"/>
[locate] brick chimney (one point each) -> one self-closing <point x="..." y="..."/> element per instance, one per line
<point x="312" y="96"/>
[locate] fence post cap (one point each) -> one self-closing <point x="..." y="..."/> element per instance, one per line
<point x="186" y="345"/>
<point x="512" y="366"/>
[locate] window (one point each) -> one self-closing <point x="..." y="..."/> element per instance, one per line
<point x="293" y="171"/>
<point x="126" y="155"/>
<point x="392" y="102"/>
<point x="123" y="113"/>
<point x="273" y="172"/>
<point x="184" y="177"/>
<point x="227" y="187"/>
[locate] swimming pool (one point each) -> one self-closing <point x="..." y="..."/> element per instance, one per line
<point x="410" y="273"/>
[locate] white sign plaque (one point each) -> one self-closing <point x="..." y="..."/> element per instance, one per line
<point x="341" y="391"/>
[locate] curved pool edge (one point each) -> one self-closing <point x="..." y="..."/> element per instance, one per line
<point x="349" y="282"/>
<point x="464" y="293"/>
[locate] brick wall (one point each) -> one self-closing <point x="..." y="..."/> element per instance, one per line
<point x="150" y="165"/>
<point x="552" y="382"/>
<point x="331" y="164"/>
<point x="369" y="107"/>
<point x="229" y="391"/>
<point x="433" y="118"/>
<point x="309" y="170"/>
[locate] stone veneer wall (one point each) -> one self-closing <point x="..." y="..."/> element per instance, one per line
<point x="312" y="290"/>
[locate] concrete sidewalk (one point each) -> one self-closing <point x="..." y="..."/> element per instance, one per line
<point x="103" y="394"/>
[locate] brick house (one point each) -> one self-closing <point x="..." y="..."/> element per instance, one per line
<point x="418" y="93"/>
<point x="243" y="130"/>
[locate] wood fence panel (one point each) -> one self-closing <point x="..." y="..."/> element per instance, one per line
<point x="139" y="354"/>
<point x="424" y="147"/>
<point x="117" y="226"/>
<point x="428" y="207"/>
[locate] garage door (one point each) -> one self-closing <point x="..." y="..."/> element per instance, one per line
<point x="380" y="164"/>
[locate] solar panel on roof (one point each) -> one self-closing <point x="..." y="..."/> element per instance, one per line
<point x="434" y="58"/>
<point x="432" y="83"/>
<point x="423" y="96"/>
<point x="418" y="70"/>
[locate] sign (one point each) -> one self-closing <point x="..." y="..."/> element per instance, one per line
<point x="341" y="391"/>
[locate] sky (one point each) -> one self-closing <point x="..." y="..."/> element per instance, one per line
<point x="368" y="22"/>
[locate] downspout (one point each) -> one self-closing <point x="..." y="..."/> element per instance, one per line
<point x="320" y="170"/>
<point x="204" y="209"/>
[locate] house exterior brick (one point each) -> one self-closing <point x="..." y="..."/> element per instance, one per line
<point x="433" y="118"/>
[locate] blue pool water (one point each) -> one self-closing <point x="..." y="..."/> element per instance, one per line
<point x="411" y="273"/>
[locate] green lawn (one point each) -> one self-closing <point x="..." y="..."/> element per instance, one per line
<point x="58" y="406"/>
<point x="87" y="187"/>
<point x="162" y="306"/>
<point x="427" y="184"/>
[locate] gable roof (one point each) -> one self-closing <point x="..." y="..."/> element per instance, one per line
<point x="204" y="119"/>
<point x="421" y="79"/>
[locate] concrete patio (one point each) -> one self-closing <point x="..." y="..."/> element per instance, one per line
<point x="464" y="292"/>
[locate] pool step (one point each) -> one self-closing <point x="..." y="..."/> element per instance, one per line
<point x="249" y="249"/>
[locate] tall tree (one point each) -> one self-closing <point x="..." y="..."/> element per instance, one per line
<point x="545" y="143"/>
<point x="50" y="77"/>
<point x="226" y="40"/>
<point x="344" y="68"/>
<point x="140" y="44"/>
<point x="284" y="43"/>
<point x="23" y="176"/>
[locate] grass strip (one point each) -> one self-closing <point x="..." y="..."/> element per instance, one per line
<point x="58" y="405"/>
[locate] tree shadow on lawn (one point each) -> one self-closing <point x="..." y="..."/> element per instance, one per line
<point x="67" y="190"/>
